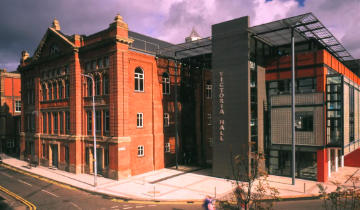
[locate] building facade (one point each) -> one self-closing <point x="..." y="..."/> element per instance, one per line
<point x="200" y="102"/>
<point x="137" y="117"/>
<point x="10" y="111"/>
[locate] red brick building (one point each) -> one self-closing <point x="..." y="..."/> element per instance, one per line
<point x="10" y="111"/>
<point x="134" y="100"/>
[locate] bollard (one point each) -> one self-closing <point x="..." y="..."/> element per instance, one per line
<point x="215" y="192"/>
<point x="304" y="187"/>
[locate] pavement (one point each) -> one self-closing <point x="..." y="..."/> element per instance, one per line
<point x="188" y="184"/>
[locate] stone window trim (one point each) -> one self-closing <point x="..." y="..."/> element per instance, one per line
<point x="58" y="85"/>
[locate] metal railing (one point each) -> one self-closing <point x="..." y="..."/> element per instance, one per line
<point x="352" y="146"/>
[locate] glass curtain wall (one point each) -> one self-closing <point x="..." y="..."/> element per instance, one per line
<point x="334" y="110"/>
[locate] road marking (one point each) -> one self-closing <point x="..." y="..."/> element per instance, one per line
<point x="114" y="207"/>
<point x="26" y="202"/>
<point x="139" y="207"/>
<point x="24" y="182"/>
<point x="50" y="193"/>
<point x="39" y="177"/>
<point x="76" y="206"/>
<point x="127" y="208"/>
<point x="5" y="174"/>
<point x="152" y="205"/>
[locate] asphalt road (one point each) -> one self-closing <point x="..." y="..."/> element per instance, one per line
<point x="46" y="195"/>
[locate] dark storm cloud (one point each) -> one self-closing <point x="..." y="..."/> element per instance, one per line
<point x="23" y="23"/>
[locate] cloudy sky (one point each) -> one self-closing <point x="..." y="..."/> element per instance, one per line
<point x="24" y="22"/>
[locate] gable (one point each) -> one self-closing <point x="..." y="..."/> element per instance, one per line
<point x="53" y="43"/>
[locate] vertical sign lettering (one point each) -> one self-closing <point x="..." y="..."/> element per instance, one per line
<point x="221" y="105"/>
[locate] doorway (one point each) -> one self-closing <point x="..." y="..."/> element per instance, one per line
<point x="54" y="149"/>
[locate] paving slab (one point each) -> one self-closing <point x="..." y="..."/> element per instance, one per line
<point x="182" y="184"/>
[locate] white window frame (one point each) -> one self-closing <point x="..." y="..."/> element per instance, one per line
<point x="17" y="106"/>
<point x="208" y="91"/>
<point x="166" y="119"/>
<point x="139" y="120"/>
<point x="140" y="78"/>
<point x="140" y="151"/>
<point x="166" y="84"/>
<point x="167" y="147"/>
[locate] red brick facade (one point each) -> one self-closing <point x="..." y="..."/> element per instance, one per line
<point x="62" y="105"/>
<point x="10" y="110"/>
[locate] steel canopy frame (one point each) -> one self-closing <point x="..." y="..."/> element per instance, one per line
<point x="187" y="49"/>
<point x="306" y="26"/>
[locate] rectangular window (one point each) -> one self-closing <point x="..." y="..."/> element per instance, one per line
<point x="49" y="123"/>
<point x="55" y="91"/>
<point x="89" y="122"/>
<point x="87" y="151"/>
<point x="55" y="114"/>
<point x="43" y="150"/>
<point x="89" y="87"/>
<point x="139" y="122"/>
<point x="87" y="66"/>
<point x="210" y="141"/>
<point x="44" y="122"/>
<point x="167" y="147"/>
<point x="17" y="106"/>
<point x="10" y="143"/>
<point x="209" y="118"/>
<point x="98" y="121"/>
<point x="60" y="91"/>
<point x="106" y="162"/>
<point x="106" y="61"/>
<point x="105" y="85"/>
<point x="208" y="91"/>
<point x="50" y="91"/>
<point x="67" y="154"/>
<point x="32" y="122"/>
<point x="140" y="151"/>
<point x="304" y="121"/>
<point x="166" y="120"/>
<point x="93" y="64"/>
<point x="67" y="89"/>
<point x="97" y="86"/>
<point x="100" y="63"/>
<point x="61" y="116"/>
<point x="106" y="122"/>
<point x="67" y="122"/>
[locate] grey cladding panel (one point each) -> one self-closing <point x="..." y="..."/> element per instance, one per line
<point x="230" y="55"/>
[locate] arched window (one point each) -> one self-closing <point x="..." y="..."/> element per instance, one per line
<point x="50" y="91"/>
<point x="139" y="79"/>
<point x="44" y="92"/>
<point x="89" y="87"/>
<point x="97" y="85"/>
<point x="105" y="84"/>
<point x="166" y="84"/>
